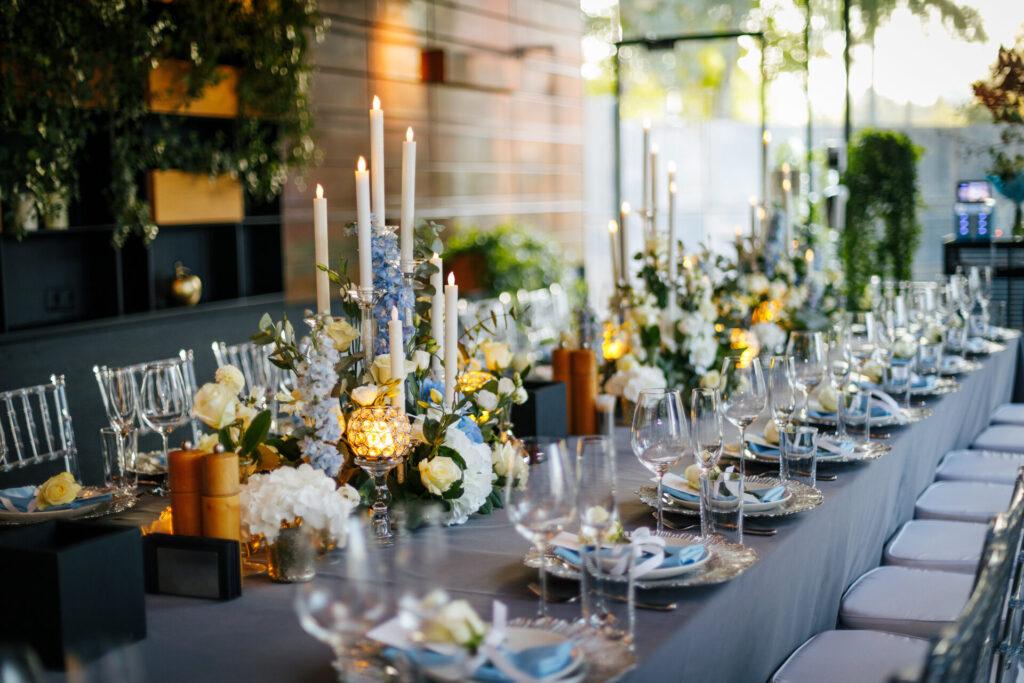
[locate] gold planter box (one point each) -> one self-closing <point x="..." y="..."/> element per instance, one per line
<point x="167" y="92"/>
<point x="180" y="198"/>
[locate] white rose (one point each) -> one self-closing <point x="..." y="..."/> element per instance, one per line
<point x="439" y="473"/>
<point x="596" y="515"/>
<point x="692" y="475"/>
<point x="486" y="400"/>
<point x="366" y="394"/>
<point x="626" y="363"/>
<point x="231" y="377"/>
<point x="497" y="355"/>
<point x="521" y="361"/>
<point x="421" y="359"/>
<point x="520" y="396"/>
<point x="207" y="442"/>
<point x="456" y="623"/>
<point x="215" y="405"/>
<point x="711" y="379"/>
<point x="828" y="398"/>
<point x="381" y="369"/>
<point x="341" y="333"/>
<point x="506" y="386"/>
<point x="501" y="455"/>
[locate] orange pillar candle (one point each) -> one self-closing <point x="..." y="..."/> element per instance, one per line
<point x="583" y="371"/>
<point x="184" y="473"/>
<point x="221" y="512"/>
<point x="560" y="373"/>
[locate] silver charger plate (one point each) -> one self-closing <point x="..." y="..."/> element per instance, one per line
<point x="964" y="368"/>
<point x="911" y="415"/>
<point x="119" y="502"/>
<point x="728" y="560"/>
<point x="801" y="499"/>
<point x="860" y="453"/>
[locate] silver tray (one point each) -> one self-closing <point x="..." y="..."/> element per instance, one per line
<point x="802" y="498"/>
<point x="860" y="453"/>
<point x="728" y="560"/>
<point x="119" y="502"/>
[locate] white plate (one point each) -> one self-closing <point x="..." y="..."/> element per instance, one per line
<point x="748" y="507"/>
<point x="116" y="503"/>
<point x="661" y="572"/>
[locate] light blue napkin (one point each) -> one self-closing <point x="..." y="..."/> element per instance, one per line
<point x="537" y="662"/>
<point x="675" y="556"/>
<point x="20" y="497"/>
<point x="763" y="495"/>
<point x="876" y="411"/>
<point x="761" y="449"/>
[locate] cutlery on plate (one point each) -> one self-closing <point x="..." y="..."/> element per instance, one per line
<point x="655" y="606"/>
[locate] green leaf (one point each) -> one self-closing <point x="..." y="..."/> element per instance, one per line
<point x="454" y="455"/>
<point x="256" y="433"/>
<point x="225" y="439"/>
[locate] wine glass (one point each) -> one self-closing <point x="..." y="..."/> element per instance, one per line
<point x="544" y="504"/>
<point x="599" y="514"/>
<point x="121" y="398"/>
<point x="707" y="433"/>
<point x="808" y="351"/>
<point x="659" y="436"/>
<point x="743" y="396"/>
<point x="781" y="389"/>
<point x="164" y="403"/>
<point x="840" y="355"/>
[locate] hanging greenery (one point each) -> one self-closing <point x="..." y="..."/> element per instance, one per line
<point x="71" y="71"/>
<point x="510" y="257"/>
<point x="882" y="231"/>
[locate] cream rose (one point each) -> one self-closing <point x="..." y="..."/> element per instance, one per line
<point x="711" y="379"/>
<point x="207" y="442"/>
<point x="828" y="398"/>
<point x="341" y="334"/>
<point x="366" y="394"/>
<point x="521" y="361"/>
<point x="421" y="359"/>
<point x="231" y="377"/>
<point x="60" y="489"/>
<point x="215" y="405"/>
<point x="520" y="396"/>
<point x="771" y="432"/>
<point x="506" y="386"/>
<point x="439" y="473"/>
<point x="497" y="355"/>
<point x="455" y="622"/>
<point x="380" y="370"/>
<point x="486" y="399"/>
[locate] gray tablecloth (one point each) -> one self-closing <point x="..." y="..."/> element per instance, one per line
<point x="740" y="631"/>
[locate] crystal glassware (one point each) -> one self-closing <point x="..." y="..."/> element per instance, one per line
<point x="598" y="515"/>
<point x="121" y="401"/>
<point x="743" y="396"/>
<point x="707" y="435"/>
<point x="659" y="436"/>
<point x="164" y="402"/>
<point x="800" y="462"/>
<point x="545" y="503"/>
<point x="118" y="470"/>
<point x="840" y="357"/>
<point x="726" y="502"/>
<point x="808" y="352"/>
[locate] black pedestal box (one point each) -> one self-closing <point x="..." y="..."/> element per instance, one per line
<point x="71" y="589"/>
<point x="543" y="414"/>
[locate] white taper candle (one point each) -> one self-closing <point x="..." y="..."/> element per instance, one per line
<point x="363" y="225"/>
<point x="437" y="313"/>
<point x="322" y="256"/>
<point x="408" y="198"/>
<point x="377" y="161"/>
<point x="396" y="349"/>
<point x="451" y="339"/>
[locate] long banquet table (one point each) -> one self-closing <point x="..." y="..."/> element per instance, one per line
<point x="739" y="631"/>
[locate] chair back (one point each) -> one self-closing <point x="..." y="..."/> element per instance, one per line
<point x="262" y="378"/>
<point x="184" y="358"/>
<point x="35" y="427"/>
<point x="965" y="651"/>
<point x="1009" y="651"/>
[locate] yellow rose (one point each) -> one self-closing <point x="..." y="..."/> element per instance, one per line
<point x="439" y="473"/>
<point x="692" y="475"/>
<point x="497" y="355"/>
<point x="231" y="377"/>
<point x="366" y="395"/>
<point x="60" y="489"/>
<point x="341" y="333"/>
<point x="215" y="405"/>
<point x="380" y="370"/>
<point x="207" y="442"/>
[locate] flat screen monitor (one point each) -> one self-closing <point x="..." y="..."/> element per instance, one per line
<point x="973" y="191"/>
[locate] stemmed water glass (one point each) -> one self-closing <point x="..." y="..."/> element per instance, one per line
<point x="707" y="433"/>
<point x="164" y="402"/>
<point x="808" y="352"/>
<point x="544" y="504"/>
<point x="659" y="436"/>
<point x="597" y="509"/>
<point x="743" y="396"/>
<point x="121" y="399"/>
<point x="840" y="355"/>
<point x="781" y="395"/>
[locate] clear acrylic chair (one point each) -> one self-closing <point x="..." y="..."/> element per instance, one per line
<point x="35" y="427"/>
<point x="262" y="378"/>
<point x="188" y="372"/>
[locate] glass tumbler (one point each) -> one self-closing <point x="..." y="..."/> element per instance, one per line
<point x="800" y="462"/>
<point x="119" y="453"/>
<point x="725" y="494"/>
<point x="608" y="591"/>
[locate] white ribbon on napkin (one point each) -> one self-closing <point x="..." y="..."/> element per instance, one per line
<point x="881" y="398"/>
<point x="643" y="542"/>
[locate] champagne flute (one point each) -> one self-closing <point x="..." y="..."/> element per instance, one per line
<point x="839" y="366"/>
<point x="545" y="503"/>
<point x="659" y="436"/>
<point x="164" y="403"/>
<point x="706" y="425"/>
<point x="599" y="516"/>
<point x="743" y="396"/>
<point x="808" y="351"/>
<point x="781" y="395"/>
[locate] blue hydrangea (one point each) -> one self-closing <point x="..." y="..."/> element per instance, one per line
<point x="470" y="429"/>
<point x="387" y="279"/>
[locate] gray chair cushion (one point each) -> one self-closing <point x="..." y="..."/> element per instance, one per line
<point x="1009" y="414"/>
<point x="986" y="466"/>
<point x="910" y="602"/>
<point x="1001" y="438"/>
<point x="853" y="657"/>
<point x="937" y="544"/>
<point x="963" y="501"/>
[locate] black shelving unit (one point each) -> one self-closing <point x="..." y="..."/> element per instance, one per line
<point x="1007" y="261"/>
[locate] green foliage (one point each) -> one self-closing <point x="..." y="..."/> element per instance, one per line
<point x="882" y="231"/>
<point x="515" y="257"/>
<point x="74" y="71"/>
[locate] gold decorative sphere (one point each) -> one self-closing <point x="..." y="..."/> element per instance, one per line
<point x="379" y="432"/>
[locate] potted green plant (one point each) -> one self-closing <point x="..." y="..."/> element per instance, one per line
<point x="1003" y="95"/>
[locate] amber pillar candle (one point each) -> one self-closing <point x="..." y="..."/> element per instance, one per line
<point x="583" y="372"/>
<point x="184" y="474"/>
<point x="221" y="512"/>
<point x="560" y="373"/>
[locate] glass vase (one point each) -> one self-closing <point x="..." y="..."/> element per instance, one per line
<point x="291" y="557"/>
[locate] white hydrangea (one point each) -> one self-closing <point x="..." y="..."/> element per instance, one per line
<point x="769" y="336"/>
<point x="287" y="493"/>
<point x="631" y="382"/>
<point x="477" y="479"/>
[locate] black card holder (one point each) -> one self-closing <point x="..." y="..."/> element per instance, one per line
<point x="192" y="566"/>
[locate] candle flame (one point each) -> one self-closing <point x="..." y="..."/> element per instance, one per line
<point x="785" y="168"/>
<point x="451" y="278"/>
<point x="319" y="191"/>
<point x="408" y="134"/>
<point x="737" y="231"/>
<point x="671" y="166"/>
<point x="376" y="103"/>
<point x="809" y="256"/>
<point x="394" y="313"/>
<point x="753" y="201"/>
<point x="647" y="124"/>
<point x="361" y="165"/>
<point x="624" y="208"/>
<point x="655" y="149"/>
<point x="766" y="137"/>
<point x="672" y="189"/>
<point x="436" y="256"/>
<point x="786" y="184"/>
<point x="761" y="213"/>
<point x="613" y="227"/>
<point x="687" y="262"/>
